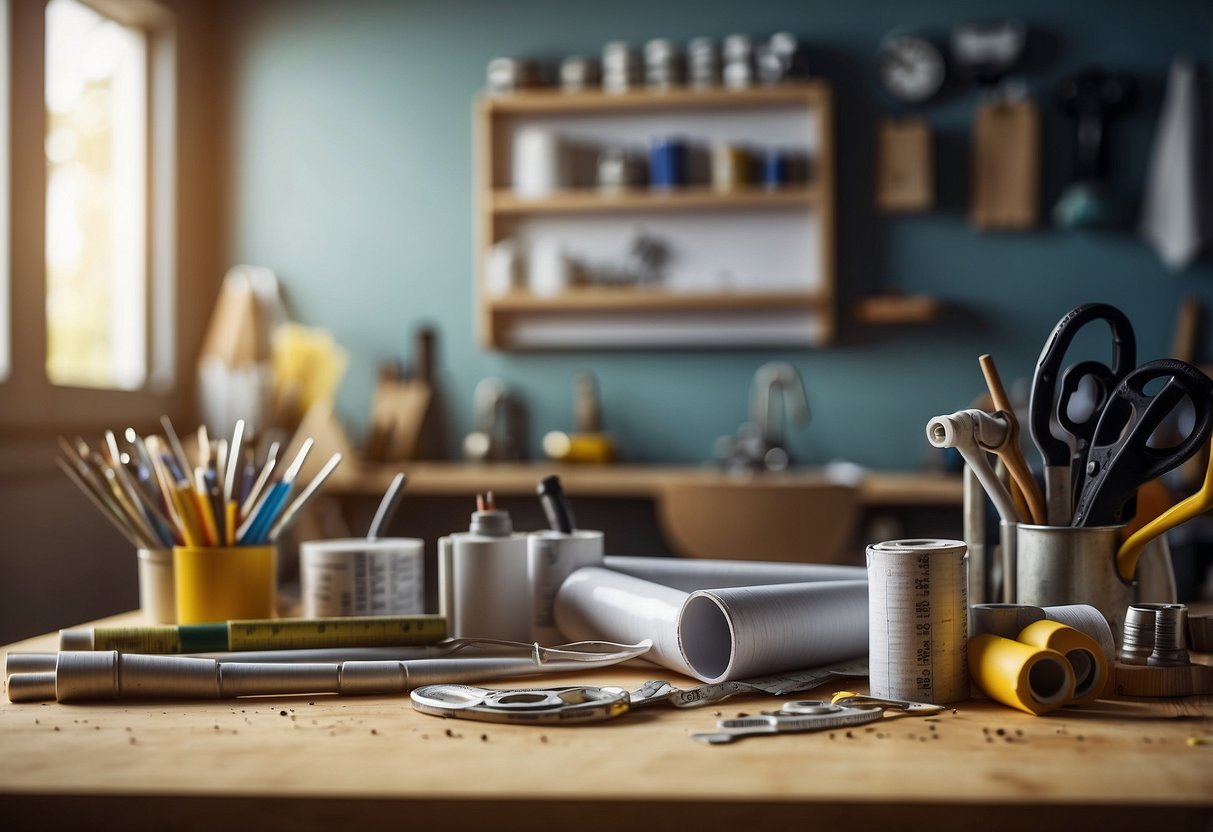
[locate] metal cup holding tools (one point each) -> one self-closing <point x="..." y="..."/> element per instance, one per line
<point x="1073" y="565"/>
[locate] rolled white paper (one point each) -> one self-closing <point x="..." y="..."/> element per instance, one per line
<point x="595" y="600"/>
<point x="720" y="634"/>
<point x="691" y="574"/>
<point x="743" y="632"/>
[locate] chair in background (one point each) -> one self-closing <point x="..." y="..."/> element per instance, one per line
<point x="757" y="518"/>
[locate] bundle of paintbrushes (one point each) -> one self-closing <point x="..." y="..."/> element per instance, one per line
<point x="158" y="497"/>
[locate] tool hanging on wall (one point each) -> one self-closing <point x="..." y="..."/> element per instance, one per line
<point x="1092" y="97"/>
<point x="985" y="52"/>
<point x="1005" y="164"/>
<point x="911" y="70"/>
<point x="1006" y="127"/>
<point x="905" y="165"/>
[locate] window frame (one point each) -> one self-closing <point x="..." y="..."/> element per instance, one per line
<point x="179" y="284"/>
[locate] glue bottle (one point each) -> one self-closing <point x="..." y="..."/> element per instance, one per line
<point x="482" y="575"/>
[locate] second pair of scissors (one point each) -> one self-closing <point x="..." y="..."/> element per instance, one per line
<point x="1128" y="447"/>
<point x="1065" y="460"/>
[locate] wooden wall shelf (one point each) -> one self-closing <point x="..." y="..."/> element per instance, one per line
<point x="583" y="300"/>
<point x="755" y="238"/>
<point x="684" y="199"/>
<point x="811" y="93"/>
<point x="898" y="310"/>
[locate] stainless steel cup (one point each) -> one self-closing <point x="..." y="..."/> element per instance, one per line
<point x="1073" y="565"/>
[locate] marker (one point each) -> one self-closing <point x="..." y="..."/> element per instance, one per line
<point x="262" y="634"/>
<point x="555" y="506"/>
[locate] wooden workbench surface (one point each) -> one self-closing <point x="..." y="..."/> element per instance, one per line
<point x="302" y="762"/>
<point x="876" y="488"/>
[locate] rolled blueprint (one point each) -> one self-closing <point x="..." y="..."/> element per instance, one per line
<point x="692" y="574"/>
<point x="594" y="600"/>
<point x="720" y="634"/>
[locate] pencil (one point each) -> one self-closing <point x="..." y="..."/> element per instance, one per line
<point x="116" y="520"/>
<point x="146" y="505"/>
<point x="233" y="461"/>
<point x="308" y="492"/>
<point x="202" y="500"/>
<point x="183" y="498"/>
<point x="183" y="463"/>
<point x="132" y="513"/>
<point x="167" y="482"/>
<point x="251" y="500"/>
<point x="257" y="526"/>
<point x="92" y="479"/>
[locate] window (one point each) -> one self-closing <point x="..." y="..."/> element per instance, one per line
<point x="96" y="199"/>
<point x="5" y="312"/>
<point x="89" y="330"/>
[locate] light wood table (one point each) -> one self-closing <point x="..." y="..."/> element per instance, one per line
<point x="347" y="763"/>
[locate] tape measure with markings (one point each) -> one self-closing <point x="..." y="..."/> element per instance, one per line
<point x="918" y="620"/>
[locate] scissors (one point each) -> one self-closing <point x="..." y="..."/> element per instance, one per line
<point x="1120" y="458"/>
<point x="1181" y="512"/>
<point x="1101" y="383"/>
<point x="845" y="709"/>
<point x="1045" y="404"/>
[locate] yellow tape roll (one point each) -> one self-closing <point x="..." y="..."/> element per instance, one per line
<point x="1034" y="679"/>
<point x="1084" y="654"/>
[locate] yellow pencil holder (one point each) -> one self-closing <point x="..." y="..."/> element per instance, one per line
<point x="224" y="582"/>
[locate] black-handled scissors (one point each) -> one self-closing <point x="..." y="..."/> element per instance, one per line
<point x="1044" y="403"/>
<point x="1120" y="458"/>
<point x="1079" y="418"/>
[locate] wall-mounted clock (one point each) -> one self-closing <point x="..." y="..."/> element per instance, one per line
<point x="910" y="68"/>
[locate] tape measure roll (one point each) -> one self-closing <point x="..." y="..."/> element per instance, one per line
<point x="918" y="620"/>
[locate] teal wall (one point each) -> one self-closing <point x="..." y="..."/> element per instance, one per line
<point x="351" y="148"/>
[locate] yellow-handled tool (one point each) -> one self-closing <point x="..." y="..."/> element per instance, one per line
<point x="1181" y="512"/>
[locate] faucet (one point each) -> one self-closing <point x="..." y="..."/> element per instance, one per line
<point x="760" y="442"/>
<point x="769" y="378"/>
<point x="497" y="433"/>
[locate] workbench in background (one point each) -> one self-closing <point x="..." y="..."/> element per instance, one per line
<point x="625" y="500"/>
<point x="319" y="762"/>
